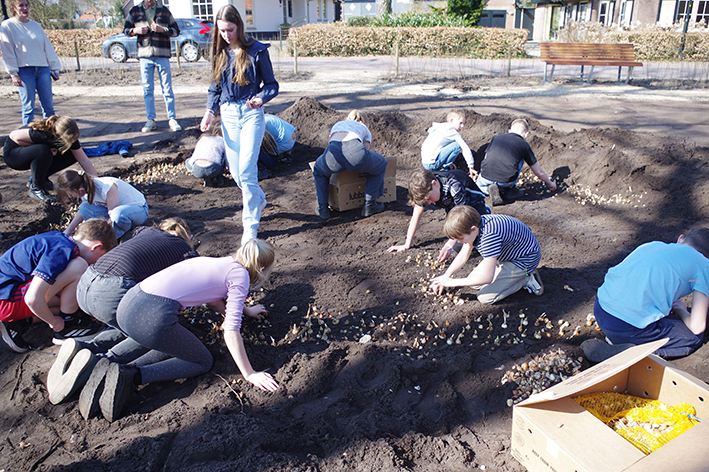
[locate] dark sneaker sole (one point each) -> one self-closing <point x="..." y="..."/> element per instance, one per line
<point x="116" y="390"/>
<point x="495" y="196"/>
<point x="91" y="393"/>
<point x="75" y="376"/>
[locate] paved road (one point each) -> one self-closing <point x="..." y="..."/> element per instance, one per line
<point x="344" y="83"/>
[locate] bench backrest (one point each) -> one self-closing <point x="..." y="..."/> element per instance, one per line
<point x="587" y="51"/>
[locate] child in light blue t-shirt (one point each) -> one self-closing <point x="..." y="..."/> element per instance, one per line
<point x="641" y="298"/>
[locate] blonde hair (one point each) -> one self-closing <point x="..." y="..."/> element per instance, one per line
<point x="356" y="115"/>
<point x="220" y="48"/>
<point x="519" y="126"/>
<point x="176" y="226"/>
<point x="71" y="180"/>
<point x="459" y="114"/>
<point x="419" y="186"/>
<point x="269" y="145"/>
<point x="97" y="229"/>
<point x="62" y="130"/>
<point x="257" y="257"/>
<point x="460" y="221"/>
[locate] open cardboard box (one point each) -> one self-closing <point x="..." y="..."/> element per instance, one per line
<point x="551" y="432"/>
<point x="347" y="188"/>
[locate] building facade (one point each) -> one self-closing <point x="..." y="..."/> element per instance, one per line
<point x="261" y="17"/>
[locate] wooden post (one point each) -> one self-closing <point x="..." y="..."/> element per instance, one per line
<point x="396" y="58"/>
<point x="509" y="59"/>
<point x="295" y="58"/>
<point x="178" y="53"/>
<point x="76" y="51"/>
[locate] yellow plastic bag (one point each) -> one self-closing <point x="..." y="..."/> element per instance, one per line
<point x="647" y="424"/>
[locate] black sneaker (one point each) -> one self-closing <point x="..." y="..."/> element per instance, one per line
<point x="372" y="208"/>
<point x="41" y="195"/>
<point x="80" y="328"/>
<point x="512" y="193"/>
<point x="11" y="336"/>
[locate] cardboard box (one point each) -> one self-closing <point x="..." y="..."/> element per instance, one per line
<point x="347" y="188"/>
<point x="551" y="432"/>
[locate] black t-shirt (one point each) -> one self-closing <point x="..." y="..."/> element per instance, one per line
<point x="503" y="156"/>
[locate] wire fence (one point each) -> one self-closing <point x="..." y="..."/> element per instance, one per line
<point x="455" y="68"/>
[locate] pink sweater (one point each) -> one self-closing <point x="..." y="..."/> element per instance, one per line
<point x="204" y="280"/>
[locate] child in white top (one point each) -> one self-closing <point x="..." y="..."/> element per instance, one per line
<point x="348" y="149"/>
<point x="209" y="157"/>
<point x="444" y="143"/>
<point x="102" y="197"/>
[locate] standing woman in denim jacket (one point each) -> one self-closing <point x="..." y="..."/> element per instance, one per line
<point x="242" y="81"/>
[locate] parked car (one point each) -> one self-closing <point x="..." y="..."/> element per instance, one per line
<point x="194" y="41"/>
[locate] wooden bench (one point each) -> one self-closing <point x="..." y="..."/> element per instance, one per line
<point x="588" y="54"/>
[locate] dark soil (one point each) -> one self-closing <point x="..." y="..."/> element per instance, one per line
<point x="406" y="400"/>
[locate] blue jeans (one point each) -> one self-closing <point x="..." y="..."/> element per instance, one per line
<point x="446" y="157"/>
<point x="205" y="172"/>
<point x="99" y="295"/>
<point x="147" y="77"/>
<point x="35" y="79"/>
<point x="349" y="155"/>
<point x="152" y="321"/>
<point x="484" y="183"/>
<point x="243" y="130"/>
<point x="682" y="341"/>
<point x="123" y="217"/>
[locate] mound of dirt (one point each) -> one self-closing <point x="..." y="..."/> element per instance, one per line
<point x="375" y="372"/>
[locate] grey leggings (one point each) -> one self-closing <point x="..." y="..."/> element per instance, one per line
<point x="151" y="321"/>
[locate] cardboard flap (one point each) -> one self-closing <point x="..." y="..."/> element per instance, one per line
<point x="597" y="373"/>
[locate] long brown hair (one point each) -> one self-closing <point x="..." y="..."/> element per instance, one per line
<point x="220" y="48"/>
<point x="62" y="130"/>
<point x="70" y="179"/>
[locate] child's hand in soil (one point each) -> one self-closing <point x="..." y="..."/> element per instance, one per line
<point x="257" y="311"/>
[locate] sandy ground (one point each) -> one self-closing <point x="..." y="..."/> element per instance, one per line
<point x="425" y="393"/>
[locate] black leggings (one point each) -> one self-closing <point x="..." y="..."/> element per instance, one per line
<point x="37" y="158"/>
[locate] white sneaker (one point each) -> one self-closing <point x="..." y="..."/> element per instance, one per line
<point x="174" y="125"/>
<point x="534" y="283"/>
<point x="149" y="126"/>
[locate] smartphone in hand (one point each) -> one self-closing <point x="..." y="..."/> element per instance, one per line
<point x="54" y="75"/>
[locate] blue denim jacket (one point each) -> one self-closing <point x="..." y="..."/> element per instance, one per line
<point x="260" y="71"/>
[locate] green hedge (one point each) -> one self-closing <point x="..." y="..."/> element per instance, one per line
<point x="660" y="45"/>
<point x="335" y="39"/>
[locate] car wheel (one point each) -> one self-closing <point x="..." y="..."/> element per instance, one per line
<point x="190" y="52"/>
<point x="117" y="52"/>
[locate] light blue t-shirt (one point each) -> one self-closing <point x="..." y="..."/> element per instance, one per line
<point x="641" y="289"/>
<point x="281" y="131"/>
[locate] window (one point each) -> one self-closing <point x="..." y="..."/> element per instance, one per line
<point x="626" y="12"/>
<point x="681" y="10"/>
<point x="584" y="12"/>
<point x="703" y="12"/>
<point x="202" y="9"/>
<point x="248" y="13"/>
<point x="605" y="12"/>
<point x="165" y="3"/>
<point x="290" y="8"/>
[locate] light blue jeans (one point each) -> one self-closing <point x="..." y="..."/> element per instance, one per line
<point x="123" y="217"/>
<point x="446" y="157"/>
<point x="484" y="183"/>
<point x="147" y="77"/>
<point x="243" y="130"/>
<point x="35" y="79"/>
<point x="205" y="172"/>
